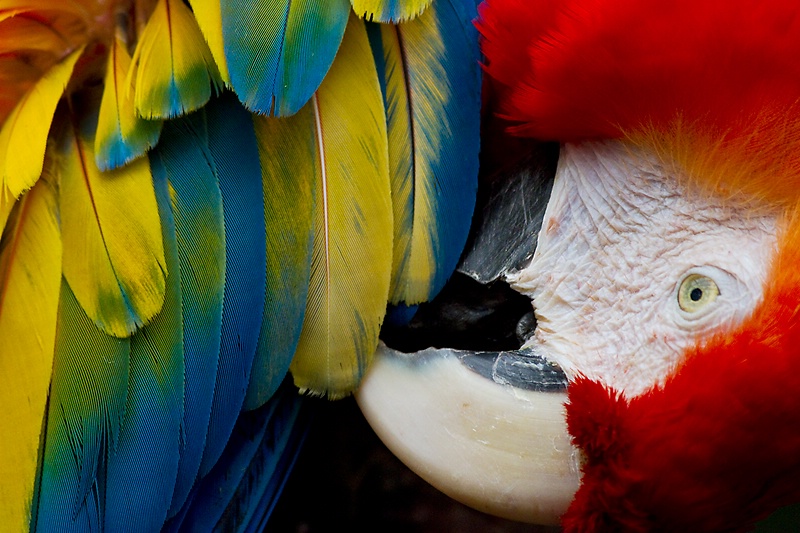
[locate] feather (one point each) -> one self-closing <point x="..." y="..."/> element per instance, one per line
<point x="148" y="451"/>
<point x="352" y="254"/>
<point x="43" y="26"/>
<point x="432" y="94"/>
<point x="30" y="279"/>
<point x="23" y="136"/>
<point x="173" y="69"/>
<point x="86" y="409"/>
<point x="233" y="146"/>
<point x="197" y="207"/>
<point x="208" y="14"/>
<point x="277" y="72"/>
<point x="718" y="441"/>
<point x="113" y="250"/>
<point x="389" y="10"/>
<point x="581" y="69"/>
<point x="289" y="163"/>
<point x="121" y="136"/>
<point x="31" y="31"/>
<point x="243" y="486"/>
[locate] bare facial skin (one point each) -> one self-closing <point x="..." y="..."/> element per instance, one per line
<point x="632" y="268"/>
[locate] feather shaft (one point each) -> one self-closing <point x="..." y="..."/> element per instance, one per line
<point x="277" y="72"/>
<point x="289" y="164"/>
<point x="121" y="136"/>
<point x="432" y="93"/>
<point x="351" y="261"/>
<point x="173" y="68"/>
<point x="113" y="249"/>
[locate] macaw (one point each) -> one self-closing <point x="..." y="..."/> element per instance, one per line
<point x="657" y="389"/>
<point x="197" y="199"/>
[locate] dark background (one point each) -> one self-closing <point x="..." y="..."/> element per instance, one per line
<point x="345" y="479"/>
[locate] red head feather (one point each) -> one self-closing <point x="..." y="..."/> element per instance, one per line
<point x="712" y="86"/>
<point x="582" y="69"/>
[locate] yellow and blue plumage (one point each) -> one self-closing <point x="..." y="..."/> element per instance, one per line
<point x="170" y="250"/>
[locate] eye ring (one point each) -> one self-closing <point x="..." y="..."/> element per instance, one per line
<point x="696" y="292"/>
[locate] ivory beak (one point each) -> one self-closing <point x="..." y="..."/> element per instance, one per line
<point x="495" y="447"/>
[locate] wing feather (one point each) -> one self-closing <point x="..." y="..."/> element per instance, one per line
<point x="432" y="93"/>
<point x="30" y="280"/>
<point x="389" y="10"/>
<point x="278" y="52"/>
<point x="351" y="264"/>
<point x="289" y="163"/>
<point x="113" y="249"/>
<point x="121" y="136"/>
<point x="173" y="68"/>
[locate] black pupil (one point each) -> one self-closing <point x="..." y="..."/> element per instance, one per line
<point x="696" y="294"/>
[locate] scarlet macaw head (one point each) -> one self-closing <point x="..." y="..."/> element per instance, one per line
<point x="665" y="279"/>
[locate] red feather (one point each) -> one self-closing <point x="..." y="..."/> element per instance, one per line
<point x="577" y="69"/>
<point x="714" y="87"/>
<point x="717" y="447"/>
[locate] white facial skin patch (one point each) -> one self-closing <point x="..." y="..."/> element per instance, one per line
<point x="632" y="267"/>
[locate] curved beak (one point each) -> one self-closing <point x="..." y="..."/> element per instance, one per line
<point x="489" y="443"/>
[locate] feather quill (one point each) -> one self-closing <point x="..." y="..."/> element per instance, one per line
<point x="351" y="263"/>
<point x="389" y="10"/>
<point x="86" y="409"/>
<point x="184" y="157"/>
<point x="173" y="68"/>
<point x="289" y="164"/>
<point x="148" y="451"/>
<point x="278" y="52"/>
<point x="121" y="136"/>
<point x="432" y="95"/>
<point x="23" y="136"/>
<point x="234" y="149"/>
<point x="30" y="280"/>
<point x="113" y="249"/>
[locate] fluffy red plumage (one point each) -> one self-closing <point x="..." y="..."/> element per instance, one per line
<point x="715" y="87"/>
<point x="717" y="447"/>
<point x="582" y="69"/>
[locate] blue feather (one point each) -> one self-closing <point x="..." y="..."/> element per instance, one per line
<point x="432" y="96"/>
<point x="270" y="469"/>
<point x="289" y="215"/>
<point x="200" y="233"/>
<point x="456" y="169"/>
<point x="233" y="147"/>
<point x="278" y="52"/>
<point x="86" y="409"/>
<point x="243" y="486"/>
<point x="148" y="450"/>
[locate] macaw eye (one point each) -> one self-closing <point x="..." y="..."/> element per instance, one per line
<point x="696" y="292"/>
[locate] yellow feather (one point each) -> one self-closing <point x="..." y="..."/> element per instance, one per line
<point x="113" y="249"/>
<point x="352" y="254"/>
<point x="30" y="276"/>
<point x="389" y="10"/>
<point x="172" y="66"/>
<point x="23" y="136"/>
<point x="209" y="17"/>
<point x="121" y="135"/>
<point x="7" y="203"/>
